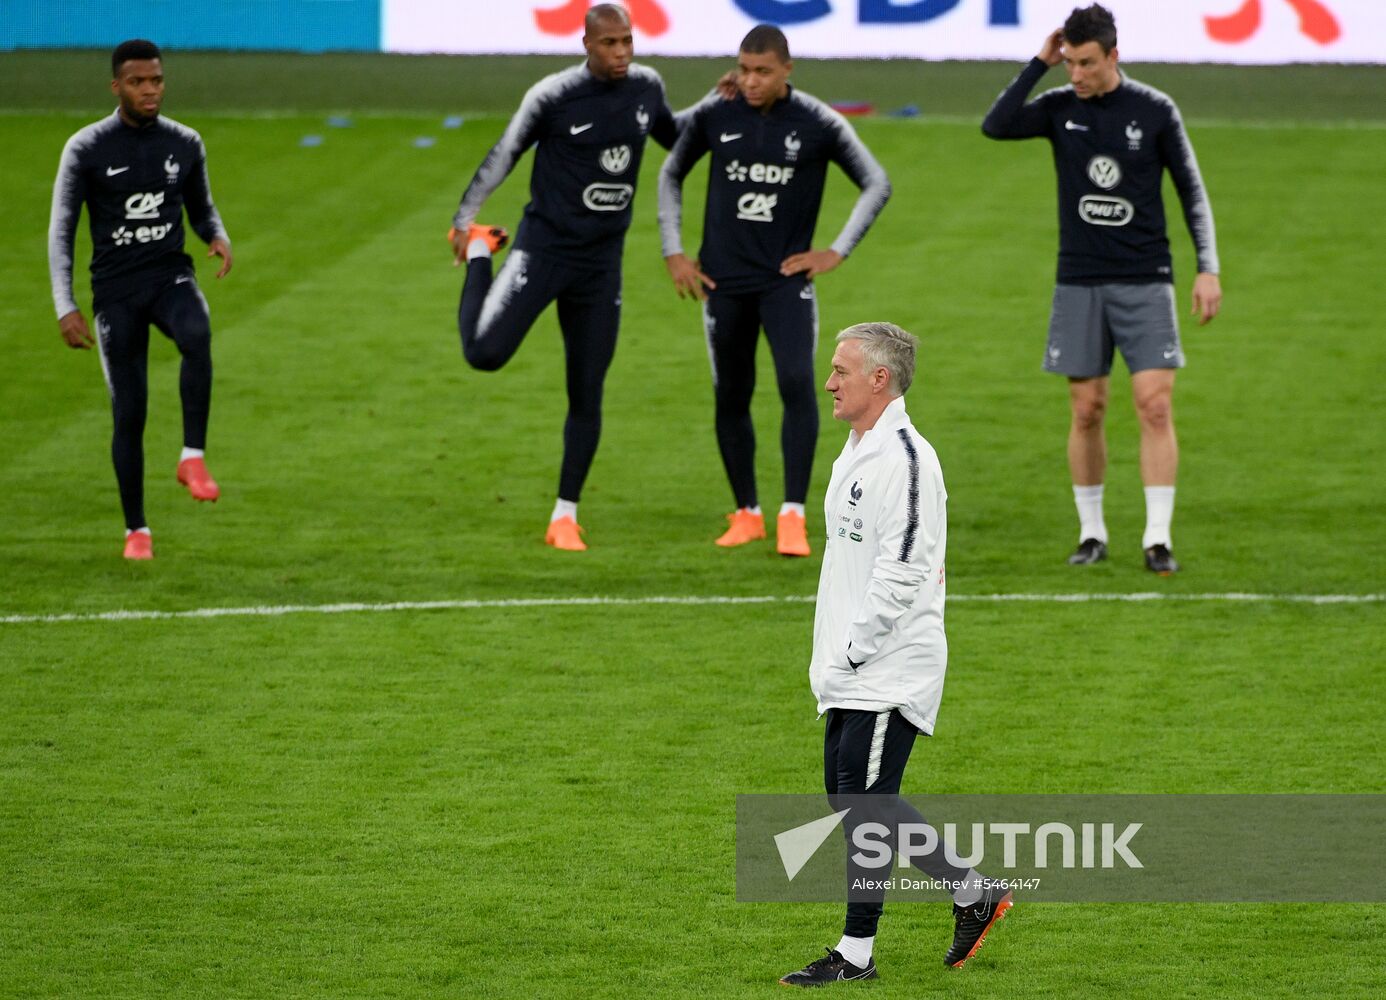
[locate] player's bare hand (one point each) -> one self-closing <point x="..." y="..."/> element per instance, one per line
<point x="220" y="248"/>
<point x="811" y="263"/>
<point x="1207" y="297"/>
<point x="459" y="247"/>
<point x="1051" y="52"/>
<point x="726" y="87"/>
<point x="75" y="331"/>
<point x="689" y="280"/>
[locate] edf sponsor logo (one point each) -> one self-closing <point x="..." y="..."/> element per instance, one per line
<point x="1005" y="12"/>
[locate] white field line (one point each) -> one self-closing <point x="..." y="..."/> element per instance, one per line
<point x="278" y="610"/>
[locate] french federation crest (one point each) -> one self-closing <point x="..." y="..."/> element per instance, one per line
<point x="855" y="492"/>
<point x="1134" y="134"/>
<point x="642" y="118"/>
<point x="792" y="142"/>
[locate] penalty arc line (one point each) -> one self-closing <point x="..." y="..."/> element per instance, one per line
<point x="354" y="607"/>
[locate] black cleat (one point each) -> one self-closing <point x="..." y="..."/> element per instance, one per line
<point x="1089" y="551"/>
<point x="971" y="923"/>
<point x="1158" y="560"/>
<point x="831" y="968"/>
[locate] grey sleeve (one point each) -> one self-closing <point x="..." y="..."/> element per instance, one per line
<point x="519" y="135"/>
<point x="689" y="149"/>
<point x="1178" y="155"/>
<point x="69" y="192"/>
<point x="197" y="201"/>
<point x="855" y="159"/>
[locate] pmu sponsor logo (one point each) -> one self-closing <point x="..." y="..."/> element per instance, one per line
<point x="753" y="206"/>
<point x="1316" y="22"/>
<point x="615" y="160"/>
<point x="124" y="236"/>
<point x="1105" y="210"/>
<point x="144" y="205"/>
<point x="608" y="197"/>
<point x="759" y="173"/>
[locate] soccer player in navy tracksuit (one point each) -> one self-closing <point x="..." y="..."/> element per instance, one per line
<point x="770" y="150"/>
<point x="136" y="172"/>
<point x="590" y="124"/>
<point x="1113" y="138"/>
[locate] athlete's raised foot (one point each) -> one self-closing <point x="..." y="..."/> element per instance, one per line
<point x="139" y="545"/>
<point x="1159" y="560"/>
<point x="192" y="473"/>
<point x="566" y="534"/>
<point x="493" y="236"/>
<point x="972" y="923"/>
<point x="831" y="968"/>
<point x="1089" y="551"/>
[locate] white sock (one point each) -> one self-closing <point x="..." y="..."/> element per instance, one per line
<point x="1159" y="511"/>
<point x="1088" y="500"/>
<point x="191" y="453"/>
<point x="144" y="531"/>
<point x="856" y="950"/>
<point x="564" y="508"/>
<point x="793" y="508"/>
<point x="971" y="890"/>
<point x="478" y="248"/>
<point x="752" y="510"/>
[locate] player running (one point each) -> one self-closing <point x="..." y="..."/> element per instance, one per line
<point x="1113" y="138"/>
<point x="136" y="172"/>
<point x="770" y="150"/>
<point x="589" y="124"/>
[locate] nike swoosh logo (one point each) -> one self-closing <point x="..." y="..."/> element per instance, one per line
<point x="729" y="138"/>
<point x="1170" y="354"/>
<point x="181" y="281"/>
<point x="112" y="171"/>
<point x="1073" y="126"/>
<point x="579" y="129"/>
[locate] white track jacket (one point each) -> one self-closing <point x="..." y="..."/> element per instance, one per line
<point x="881" y="589"/>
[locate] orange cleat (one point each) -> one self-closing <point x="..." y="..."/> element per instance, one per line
<point x="192" y="473"/>
<point x="791" y="535"/>
<point x="745" y="527"/>
<point x="138" y="545"/>
<point x="495" y="236"/>
<point x="565" y="534"/>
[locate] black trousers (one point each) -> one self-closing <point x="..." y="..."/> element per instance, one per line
<point x="864" y="754"/>
<point x="177" y="308"/>
<point x="494" y="316"/>
<point x="788" y="313"/>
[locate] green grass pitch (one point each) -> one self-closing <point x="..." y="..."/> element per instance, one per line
<point x="539" y="801"/>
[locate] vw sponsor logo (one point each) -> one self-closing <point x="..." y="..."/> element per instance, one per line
<point x="144" y="205"/>
<point x="756" y="207"/>
<point x="1104" y="172"/>
<point x="616" y="159"/>
<point x="608" y="197"/>
<point x="1105" y="210"/>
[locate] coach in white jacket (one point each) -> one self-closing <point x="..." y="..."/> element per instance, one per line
<point x="879" y="650"/>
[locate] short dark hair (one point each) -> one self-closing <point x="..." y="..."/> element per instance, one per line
<point x="135" y="48"/>
<point x="605" y="12"/>
<point x="766" y="38"/>
<point x="1091" y="24"/>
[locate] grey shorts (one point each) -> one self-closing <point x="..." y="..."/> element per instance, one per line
<point x="1089" y="320"/>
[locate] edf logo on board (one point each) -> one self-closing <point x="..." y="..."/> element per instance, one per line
<point x="1005" y="12"/>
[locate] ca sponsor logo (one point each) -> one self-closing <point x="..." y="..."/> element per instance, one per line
<point x="1134" y="135"/>
<point x="759" y="173"/>
<point x="616" y="159"/>
<point x="1105" y="210"/>
<point x="792" y="143"/>
<point x="124" y="236"/>
<point x="753" y="206"/>
<point x="1104" y="172"/>
<point x="144" y="205"/>
<point x="607" y="197"/>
